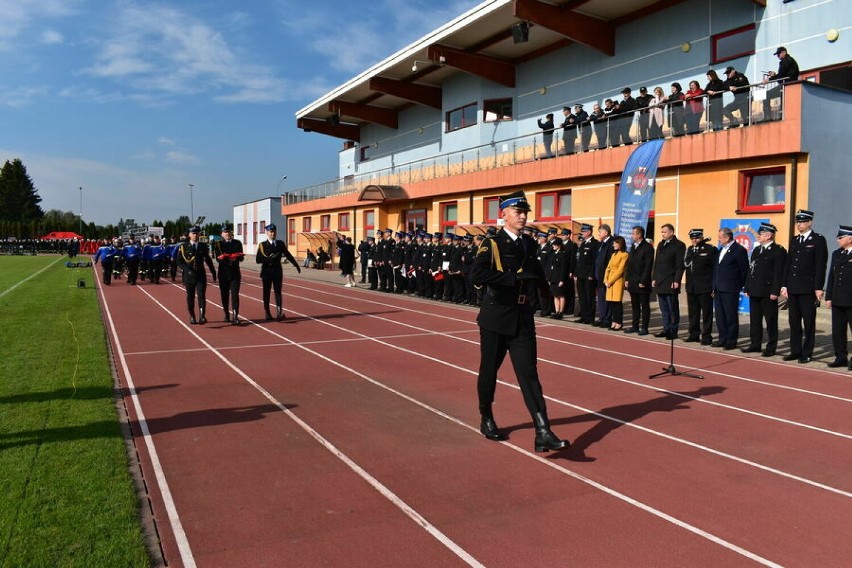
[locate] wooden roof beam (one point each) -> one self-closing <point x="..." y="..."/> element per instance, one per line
<point x="368" y="113"/>
<point x="577" y="27"/>
<point x="420" y="94"/>
<point x="498" y="70"/>
<point x="344" y="131"/>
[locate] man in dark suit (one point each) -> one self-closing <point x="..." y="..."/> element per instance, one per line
<point x="804" y="277"/>
<point x="728" y="280"/>
<point x="700" y="263"/>
<point x="763" y="286"/>
<point x="506" y="265"/>
<point x="570" y="248"/>
<point x="601" y="262"/>
<point x="229" y="253"/>
<point x="668" y="272"/>
<point x="269" y="255"/>
<point x="838" y="296"/>
<point x="637" y="280"/>
<point x="584" y="270"/>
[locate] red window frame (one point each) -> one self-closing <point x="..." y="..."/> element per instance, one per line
<point x="343" y="221"/>
<point x="291" y="231"/>
<point x="486" y="206"/>
<point x="464" y="110"/>
<point x="306" y="224"/>
<point x="557" y="198"/>
<point x="367" y="225"/>
<point x="415" y="219"/>
<point x="325" y="222"/>
<point x="746" y="179"/>
<point x="445" y="223"/>
<point x="714" y="40"/>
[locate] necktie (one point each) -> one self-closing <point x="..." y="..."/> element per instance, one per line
<point x="801" y="239"/>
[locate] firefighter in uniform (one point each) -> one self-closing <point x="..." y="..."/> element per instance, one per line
<point x="584" y="270"/>
<point x="763" y="286"/>
<point x="838" y="296"/>
<point x="506" y="265"/>
<point x="269" y="255"/>
<point x="229" y="253"/>
<point x="804" y="278"/>
<point x="192" y="255"/>
<point x="700" y="262"/>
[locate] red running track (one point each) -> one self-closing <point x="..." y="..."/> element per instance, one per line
<point x="347" y="435"/>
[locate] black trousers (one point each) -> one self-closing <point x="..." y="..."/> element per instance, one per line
<point x="523" y="353"/>
<point x="569" y="296"/>
<point x="156" y="269"/>
<point x="132" y="270"/>
<point x="640" y="304"/>
<point x="727" y="316"/>
<point x="373" y="277"/>
<point x="272" y="282"/>
<point x="700" y="315"/>
<point x="401" y="281"/>
<point x="802" y="311"/>
<point x="106" y="266"/>
<point x="763" y="309"/>
<point x="363" y="272"/>
<point x="587" y="292"/>
<point x="229" y="286"/>
<point x="841" y="319"/>
<point x="193" y="288"/>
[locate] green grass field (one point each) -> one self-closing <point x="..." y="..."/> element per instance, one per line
<point x="66" y="497"/>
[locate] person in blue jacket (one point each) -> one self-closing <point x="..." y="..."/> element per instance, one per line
<point x="106" y="255"/>
<point x="132" y="254"/>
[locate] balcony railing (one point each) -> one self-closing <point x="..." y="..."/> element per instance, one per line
<point x="587" y="137"/>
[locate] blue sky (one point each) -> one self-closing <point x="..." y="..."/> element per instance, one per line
<point x="133" y="101"/>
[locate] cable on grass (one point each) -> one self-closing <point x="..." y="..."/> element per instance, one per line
<point x="77" y="363"/>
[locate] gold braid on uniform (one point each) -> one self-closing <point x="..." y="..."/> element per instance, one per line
<point x="260" y="249"/>
<point x="191" y="260"/>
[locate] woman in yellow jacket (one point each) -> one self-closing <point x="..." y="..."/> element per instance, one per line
<point x="614" y="281"/>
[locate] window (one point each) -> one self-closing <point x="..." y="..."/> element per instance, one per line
<point x="306" y="224"/>
<point x="415" y="219"/>
<point x="491" y="209"/>
<point x="762" y="190"/>
<point x="254" y="228"/>
<point x="369" y="222"/>
<point x="325" y="222"/>
<point x="553" y="206"/>
<point x="734" y="43"/>
<point x="239" y="229"/>
<point x="461" y="117"/>
<point x="366" y="152"/>
<point x="245" y="228"/>
<point x="343" y="221"/>
<point x="291" y="231"/>
<point x="449" y="215"/>
<point x="262" y="225"/>
<point x="496" y="110"/>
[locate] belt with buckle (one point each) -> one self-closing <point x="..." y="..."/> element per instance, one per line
<point x="522" y="298"/>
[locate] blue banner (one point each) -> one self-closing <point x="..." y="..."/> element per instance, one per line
<point x="637" y="188"/>
<point x="745" y="233"/>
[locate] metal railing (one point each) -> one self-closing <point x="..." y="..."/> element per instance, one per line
<point x="615" y="130"/>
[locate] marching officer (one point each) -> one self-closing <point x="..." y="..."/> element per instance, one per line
<point x="157" y="252"/>
<point x="192" y="255"/>
<point x="132" y="254"/>
<point x="507" y="266"/>
<point x="229" y="253"/>
<point x="763" y="286"/>
<point x="269" y="255"/>
<point x="106" y="256"/>
<point x="804" y="277"/>
<point x="700" y="262"/>
<point x="838" y="296"/>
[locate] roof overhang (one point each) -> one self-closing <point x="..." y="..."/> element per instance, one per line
<point x="383" y="193"/>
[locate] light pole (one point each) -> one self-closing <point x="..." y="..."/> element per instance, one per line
<point x="278" y="187"/>
<point x="81" y="210"/>
<point x="191" y="205"/>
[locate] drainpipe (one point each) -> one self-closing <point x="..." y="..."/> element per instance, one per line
<point x="470" y="209"/>
<point x="794" y="185"/>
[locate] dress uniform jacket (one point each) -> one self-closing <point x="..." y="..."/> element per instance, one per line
<point x="269" y="257"/>
<point x="507" y="300"/>
<point x="700" y="263"/>
<point x="192" y="262"/>
<point x="806" y="263"/>
<point x="586" y="253"/>
<point x="639" y="268"/>
<point x="668" y="266"/>
<point x="229" y="269"/>
<point x="614" y="275"/>
<point x="839" y="286"/>
<point x="766" y="271"/>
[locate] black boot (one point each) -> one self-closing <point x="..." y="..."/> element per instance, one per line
<point x="235" y="318"/>
<point x="227" y="316"/>
<point x="280" y="314"/>
<point x="545" y="440"/>
<point x="268" y="315"/>
<point x="202" y="318"/>
<point x="192" y="319"/>
<point x="488" y="427"/>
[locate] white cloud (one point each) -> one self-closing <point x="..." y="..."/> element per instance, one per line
<point x="22" y="96"/>
<point x="181" y="157"/>
<point x="165" y="141"/>
<point x="19" y="16"/>
<point x="52" y="37"/>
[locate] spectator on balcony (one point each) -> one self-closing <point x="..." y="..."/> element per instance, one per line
<point x="624" y="118"/>
<point x="715" y="87"/>
<point x="610" y="111"/>
<point x="788" y="70"/>
<point x="547" y="134"/>
<point x="598" y="120"/>
<point x="694" y="97"/>
<point x="569" y="130"/>
<point x="584" y="127"/>
<point x="655" y="123"/>
<point x="643" y="101"/>
<point x="738" y="84"/>
<point x="676" y="110"/>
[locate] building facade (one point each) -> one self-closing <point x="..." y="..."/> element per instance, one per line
<point x="250" y="219"/>
<point x="435" y="132"/>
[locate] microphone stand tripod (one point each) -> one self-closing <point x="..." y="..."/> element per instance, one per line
<point x="671" y="369"/>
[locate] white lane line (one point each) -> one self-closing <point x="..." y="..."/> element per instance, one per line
<point x="689" y="443"/>
<point x="169" y="503"/>
<point x="31" y="276"/>
<point x="558" y="467"/>
<point x="547" y="325"/>
<point x="361" y="472"/>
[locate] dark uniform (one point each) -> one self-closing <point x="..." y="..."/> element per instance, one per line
<point x="132" y="254"/>
<point x="570" y="248"/>
<point x="269" y="255"/>
<point x="700" y="263"/>
<point x="763" y="286"/>
<point x="372" y="263"/>
<point x="229" y="253"/>
<point x="507" y="267"/>
<point x="191" y="258"/>
<point x="739" y="85"/>
<point x="838" y="295"/>
<point x="638" y="280"/>
<point x="804" y="278"/>
<point x="543" y="254"/>
<point x="585" y="272"/>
